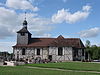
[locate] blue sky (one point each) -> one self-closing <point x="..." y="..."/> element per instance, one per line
<point x="50" y="18"/>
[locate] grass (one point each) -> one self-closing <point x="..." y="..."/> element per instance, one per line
<point x="82" y="66"/>
<point x="21" y="70"/>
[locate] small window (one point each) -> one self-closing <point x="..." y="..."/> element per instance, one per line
<point x="82" y="52"/>
<point x="23" y="51"/>
<point x="22" y="34"/>
<point x="38" y="51"/>
<point x="60" y="51"/>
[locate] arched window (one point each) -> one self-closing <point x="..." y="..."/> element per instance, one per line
<point x="23" y="51"/>
<point x="60" y="51"/>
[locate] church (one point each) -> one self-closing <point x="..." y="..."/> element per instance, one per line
<point x="54" y="49"/>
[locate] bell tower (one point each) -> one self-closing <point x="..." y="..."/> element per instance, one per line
<point x="23" y="35"/>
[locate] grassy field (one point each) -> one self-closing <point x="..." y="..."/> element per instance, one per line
<point x="30" y="71"/>
<point x="83" y="66"/>
<point x="25" y="70"/>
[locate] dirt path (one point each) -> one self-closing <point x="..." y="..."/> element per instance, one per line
<point x="63" y="69"/>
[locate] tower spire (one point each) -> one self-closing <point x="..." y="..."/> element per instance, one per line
<point x="25" y="15"/>
<point x="25" y="22"/>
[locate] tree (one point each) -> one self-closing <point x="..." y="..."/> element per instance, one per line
<point x="92" y="52"/>
<point x="87" y="43"/>
<point x="95" y="52"/>
<point x="88" y="52"/>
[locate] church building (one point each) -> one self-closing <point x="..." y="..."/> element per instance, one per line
<point x="53" y="49"/>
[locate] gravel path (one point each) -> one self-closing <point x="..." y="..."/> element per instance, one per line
<point x="63" y="70"/>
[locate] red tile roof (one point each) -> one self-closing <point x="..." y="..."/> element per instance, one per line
<point x="59" y="41"/>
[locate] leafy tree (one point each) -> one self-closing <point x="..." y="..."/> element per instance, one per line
<point x="95" y="52"/>
<point x="92" y="52"/>
<point x="88" y="44"/>
<point x="88" y="50"/>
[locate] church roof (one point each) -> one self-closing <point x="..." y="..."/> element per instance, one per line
<point x="60" y="41"/>
<point x="23" y="30"/>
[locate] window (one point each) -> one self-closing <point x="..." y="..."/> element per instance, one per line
<point x="22" y="34"/>
<point x="82" y="52"/>
<point x="23" y="51"/>
<point x="38" y="51"/>
<point x="60" y="51"/>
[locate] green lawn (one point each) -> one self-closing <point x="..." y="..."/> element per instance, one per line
<point x="83" y="66"/>
<point x="30" y="71"/>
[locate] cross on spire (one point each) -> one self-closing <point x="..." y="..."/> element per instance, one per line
<point x="25" y="22"/>
<point x="25" y="15"/>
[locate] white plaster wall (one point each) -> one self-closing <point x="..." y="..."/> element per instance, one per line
<point x="53" y="51"/>
<point x="36" y="53"/>
<point x="67" y="54"/>
<point x="29" y="53"/>
<point x="16" y="52"/>
<point x="44" y="52"/>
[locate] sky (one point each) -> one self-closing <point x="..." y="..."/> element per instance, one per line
<point x="50" y="18"/>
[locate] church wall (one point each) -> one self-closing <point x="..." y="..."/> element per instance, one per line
<point x="67" y="54"/>
<point x="22" y="40"/>
<point x="30" y="53"/>
<point x="80" y="56"/>
<point x="45" y="52"/>
<point x="53" y="52"/>
<point x="16" y="53"/>
<point x="77" y="54"/>
<point x="36" y="53"/>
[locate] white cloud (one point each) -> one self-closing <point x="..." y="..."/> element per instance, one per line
<point x="7" y="15"/>
<point x="21" y="4"/>
<point x="36" y="24"/>
<point x="60" y="16"/>
<point x="64" y="15"/>
<point x="10" y="22"/>
<point x="93" y="32"/>
<point x="86" y="8"/>
<point x="5" y="32"/>
<point x="6" y="46"/>
<point x="45" y="35"/>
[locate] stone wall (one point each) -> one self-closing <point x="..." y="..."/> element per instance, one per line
<point x="22" y="40"/>
<point x="45" y="52"/>
<point x="30" y="53"/>
<point x="67" y="54"/>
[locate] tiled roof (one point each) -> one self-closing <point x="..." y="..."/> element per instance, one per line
<point x="59" y="41"/>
